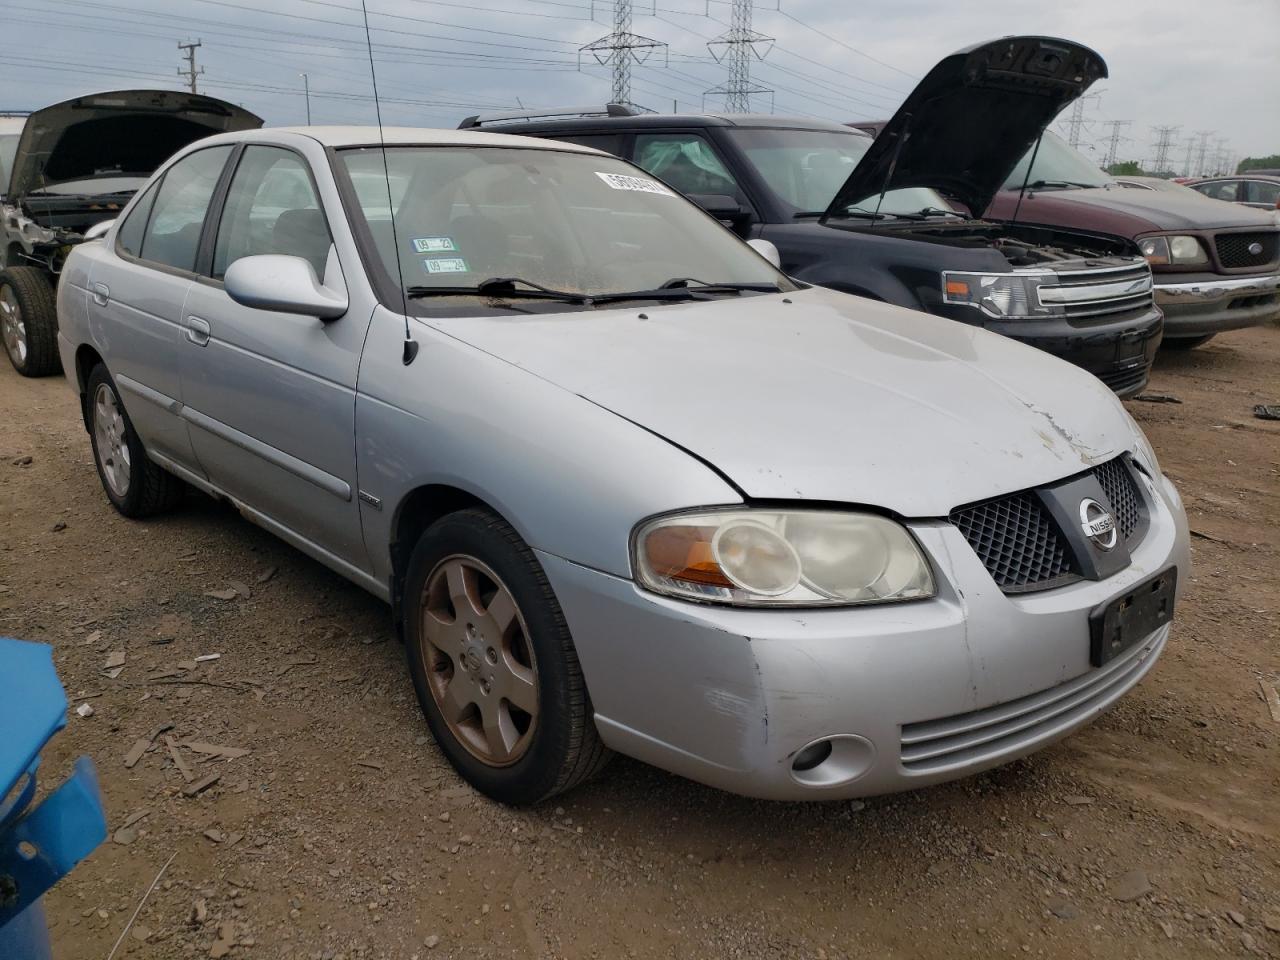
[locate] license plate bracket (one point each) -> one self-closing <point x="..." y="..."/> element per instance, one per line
<point x="1122" y="621"/>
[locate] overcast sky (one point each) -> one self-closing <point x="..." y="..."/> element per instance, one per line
<point x="1202" y="67"/>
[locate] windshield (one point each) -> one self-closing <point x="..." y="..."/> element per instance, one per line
<point x="1058" y="163"/>
<point x="8" y="149"/>
<point x="578" y="223"/>
<point x="805" y="168"/>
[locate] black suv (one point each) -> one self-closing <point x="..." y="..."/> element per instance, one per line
<point x="868" y="217"/>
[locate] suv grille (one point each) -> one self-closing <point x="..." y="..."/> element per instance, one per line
<point x="1233" y="248"/>
<point x="1020" y="544"/>
<point x="1099" y="293"/>
<point x="1127" y="378"/>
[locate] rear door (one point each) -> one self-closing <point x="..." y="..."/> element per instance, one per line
<point x="137" y="295"/>
<point x="270" y="397"/>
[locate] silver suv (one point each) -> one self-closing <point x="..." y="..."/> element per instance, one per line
<point x="625" y="485"/>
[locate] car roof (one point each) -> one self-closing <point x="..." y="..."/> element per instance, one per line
<point x="366" y="136"/>
<point x="1247" y="175"/>
<point x="647" y="120"/>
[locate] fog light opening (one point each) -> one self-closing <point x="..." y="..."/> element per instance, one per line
<point x="832" y="761"/>
<point x="811" y="756"/>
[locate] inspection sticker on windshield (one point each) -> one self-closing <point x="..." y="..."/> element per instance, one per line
<point x="445" y="265"/>
<point x="434" y="245"/>
<point x="622" y="182"/>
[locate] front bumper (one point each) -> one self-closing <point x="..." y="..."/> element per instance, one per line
<point x="1211" y="304"/>
<point x="1119" y="352"/>
<point x="973" y="678"/>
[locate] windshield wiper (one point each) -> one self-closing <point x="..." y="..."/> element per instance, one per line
<point x="855" y="212"/>
<point x="500" y="288"/>
<point x="935" y="211"/>
<point x="1063" y="184"/>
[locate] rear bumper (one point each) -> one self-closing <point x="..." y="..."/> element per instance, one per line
<point x="1118" y="352"/>
<point x="1210" y="305"/>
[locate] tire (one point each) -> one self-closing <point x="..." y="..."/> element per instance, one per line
<point x="1186" y="343"/>
<point x="29" y="321"/>
<point x="135" y="485"/>
<point x="541" y="752"/>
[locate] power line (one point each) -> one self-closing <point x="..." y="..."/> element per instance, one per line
<point x="1163" y="144"/>
<point x="1113" y="141"/>
<point x="620" y="49"/>
<point x="736" y="48"/>
<point x="191" y="73"/>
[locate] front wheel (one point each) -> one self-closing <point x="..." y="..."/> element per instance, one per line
<point x="135" y="485"/>
<point x="493" y="663"/>
<point x="29" y="321"/>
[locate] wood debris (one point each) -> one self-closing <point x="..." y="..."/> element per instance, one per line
<point x="221" y="594"/>
<point x="1271" y="698"/>
<point x="266" y="575"/>
<point x="214" y="750"/>
<point x="204" y="783"/>
<point x="187" y="773"/>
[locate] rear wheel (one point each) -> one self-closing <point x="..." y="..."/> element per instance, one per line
<point x="29" y="321"/>
<point x="493" y="664"/>
<point x="1186" y="343"/>
<point x="135" y="485"/>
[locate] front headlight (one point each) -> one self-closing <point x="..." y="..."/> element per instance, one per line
<point x="1003" y="295"/>
<point x="780" y="558"/>
<point x="1182" y="250"/>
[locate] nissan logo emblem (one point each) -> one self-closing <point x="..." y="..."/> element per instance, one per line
<point x="1255" y="248"/>
<point x="1098" y="524"/>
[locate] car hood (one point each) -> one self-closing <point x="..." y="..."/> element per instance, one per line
<point x="121" y="133"/>
<point x="966" y="125"/>
<point x="1150" y="209"/>
<point x="826" y="398"/>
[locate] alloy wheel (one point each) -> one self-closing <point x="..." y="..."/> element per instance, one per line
<point x="12" y="327"/>
<point x="110" y="445"/>
<point x="479" y="661"/>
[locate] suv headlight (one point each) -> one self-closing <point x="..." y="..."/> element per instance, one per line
<point x="1001" y="295"/>
<point x="1182" y="250"/>
<point x="780" y="558"/>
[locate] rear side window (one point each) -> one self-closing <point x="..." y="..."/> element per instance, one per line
<point x="129" y="236"/>
<point x="272" y="208"/>
<point x="687" y="162"/>
<point x="1264" y="191"/>
<point x="608" y="142"/>
<point x="177" y="217"/>
<point x="1220" y="190"/>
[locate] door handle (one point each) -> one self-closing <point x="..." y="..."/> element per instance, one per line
<point x="198" y="331"/>
<point x="101" y="294"/>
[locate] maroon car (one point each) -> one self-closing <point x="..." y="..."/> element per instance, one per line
<point x="1216" y="265"/>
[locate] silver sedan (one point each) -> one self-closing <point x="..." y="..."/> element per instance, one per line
<point x="625" y="485"/>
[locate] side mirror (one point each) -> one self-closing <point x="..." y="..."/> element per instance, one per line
<point x="767" y="250"/>
<point x="271" y="281"/>
<point x="99" y="229"/>
<point x="722" y="207"/>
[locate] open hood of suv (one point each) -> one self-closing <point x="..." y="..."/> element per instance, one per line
<point x="122" y="133"/>
<point x="966" y="125"/>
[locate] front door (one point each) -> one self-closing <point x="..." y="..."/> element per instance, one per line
<point x="270" y="397"/>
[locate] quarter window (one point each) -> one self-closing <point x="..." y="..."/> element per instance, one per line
<point x="129" y="236"/>
<point x="177" y="217"/>
<point x="271" y="208"/>
<point x="1220" y="189"/>
<point x="1264" y="191"/>
<point x="687" y="162"/>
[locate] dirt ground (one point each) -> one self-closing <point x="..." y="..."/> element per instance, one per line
<point x="343" y="833"/>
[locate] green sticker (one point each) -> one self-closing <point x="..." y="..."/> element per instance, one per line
<point x="445" y="265"/>
<point x="434" y="245"/>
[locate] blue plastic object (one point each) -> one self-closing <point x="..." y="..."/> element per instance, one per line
<point x="38" y="844"/>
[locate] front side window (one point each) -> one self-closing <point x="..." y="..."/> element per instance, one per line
<point x="1264" y="191"/>
<point x="687" y="162"/>
<point x="177" y="217"/>
<point x="8" y="150"/>
<point x="271" y="208"/>
<point x="1220" y="189"/>
<point x="806" y="168"/>
<point x="580" y="223"/>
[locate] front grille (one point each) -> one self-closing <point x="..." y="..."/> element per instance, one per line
<point x="1013" y="728"/>
<point x="1017" y="542"/>
<point x="1099" y="293"/>
<point x="1233" y="248"/>
<point x="1021" y="546"/>
<point x="1126" y="379"/>
<point x="1122" y="492"/>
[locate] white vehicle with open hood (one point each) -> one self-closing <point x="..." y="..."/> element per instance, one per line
<point x="67" y="170"/>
